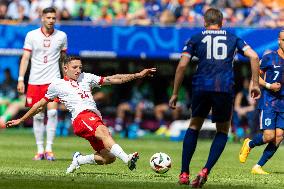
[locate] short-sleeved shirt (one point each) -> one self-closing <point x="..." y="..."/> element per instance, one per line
<point x="45" y="54"/>
<point x="76" y="95"/>
<point x="215" y="50"/>
<point x="273" y="67"/>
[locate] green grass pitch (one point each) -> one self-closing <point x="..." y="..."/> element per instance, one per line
<point x="17" y="170"/>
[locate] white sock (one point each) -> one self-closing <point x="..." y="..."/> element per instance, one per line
<point x="51" y="128"/>
<point x="118" y="152"/>
<point x="87" y="159"/>
<point x="38" y="127"/>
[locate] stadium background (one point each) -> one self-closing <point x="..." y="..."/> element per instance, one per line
<point x="123" y="36"/>
<point x="126" y="43"/>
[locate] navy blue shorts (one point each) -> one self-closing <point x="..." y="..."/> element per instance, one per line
<point x="221" y="104"/>
<point x="270" y="120"/>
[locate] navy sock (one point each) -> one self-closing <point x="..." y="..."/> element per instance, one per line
<point x="256" y="141"/>
<point x="268" y="152"/>
<point x="188" y="148"/>
<point x="217" y="147"/>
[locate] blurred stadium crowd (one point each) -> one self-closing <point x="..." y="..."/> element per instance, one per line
<point x="257" y="13"/>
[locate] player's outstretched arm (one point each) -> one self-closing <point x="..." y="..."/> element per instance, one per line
<point x="37" y="107"/>
<point x="178" y="80"/>
<point x="123" y="78"/>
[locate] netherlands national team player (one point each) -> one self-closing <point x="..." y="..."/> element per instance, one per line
<point x="271" y="107"/>
<point x="212" y="88"/>
<point x="75" y="92"/>
<point x="44" y="46"/>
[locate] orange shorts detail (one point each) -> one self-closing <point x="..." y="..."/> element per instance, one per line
<point x="85" y="125"/>
<point x="35" y="93"/>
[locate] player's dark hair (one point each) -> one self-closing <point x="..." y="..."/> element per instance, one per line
<point x="69" y="59"/>
<point x="49" y="10"/>
<point x="212" y="17"/>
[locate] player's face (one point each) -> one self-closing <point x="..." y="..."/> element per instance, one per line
<point x="281" y="41"/>
<point x="73" y="69"/>
<point x="48" y="20"/>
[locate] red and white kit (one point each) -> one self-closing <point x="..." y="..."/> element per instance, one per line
<point x="45" y="54"/>
<point x="78" y="99"/>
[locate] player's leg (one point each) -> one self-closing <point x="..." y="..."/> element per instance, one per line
<point x="32" y="97"/>
<point x="38" y="128"/>
<point x="272" y="146"/>
<point x="201" y="105"/>
<point x="103" y="134"/>
<point x="139" y="113"/>
<point x="101" y="158"/>
<point x="89" y="125"/>
<point x="267" y="125"/>
<point x="52" y="121"/>
<point x="222" y="105"/>
<point x="120" y="115"/>
<point x="159" y="111"/>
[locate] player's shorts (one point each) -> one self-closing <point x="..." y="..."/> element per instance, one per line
<point x="270" y="120"/>
<point x="221" y="104"/>
<point x="35" y="93"/>
<point x="85" y="125"/>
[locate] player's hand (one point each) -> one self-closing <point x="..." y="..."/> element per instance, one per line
<point x="275" y="86"/>
<point x="147" y="72"/>
<point x="173" y="102"/>
<point x="13" y="123"/>
<point x="255" y="92"/>
<point x="21" y="87"/>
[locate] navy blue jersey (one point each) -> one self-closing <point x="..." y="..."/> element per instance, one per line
<point x="273" y="67"/>
<point x="215" y="50"/>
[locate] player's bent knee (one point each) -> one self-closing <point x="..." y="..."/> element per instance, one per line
<point x="39" y="116"/>
<point x="52" y="113"/>
<point x="268" y="138"/>
<point x="110" y="159"/>
<point x="100" y="162"/>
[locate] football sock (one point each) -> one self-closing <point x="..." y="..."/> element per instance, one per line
<point x="50" y="128"/>
<point x="217" y="147"/>
<point x="188" y="148"/>
<point x="256" y="141"/>
<point x="38" y="127"/>
<point x="87" y="159"/>
<point x="267" y="153"/>
<point x="118" y="152"/>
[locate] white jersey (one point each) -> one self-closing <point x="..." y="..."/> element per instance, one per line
<point x="76" y="95"/>
<point x="45" y="54"/>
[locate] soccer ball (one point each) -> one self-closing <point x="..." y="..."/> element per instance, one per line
<point x="160" y="162"/>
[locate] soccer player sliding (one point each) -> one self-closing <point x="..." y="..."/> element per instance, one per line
<point x="75" y="92"/>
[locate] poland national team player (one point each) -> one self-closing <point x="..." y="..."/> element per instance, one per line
<point x="212" y="88"/>
<point x="271" y="107"/>
<point x="44" y="46"/>
<point x="75" y="92"/>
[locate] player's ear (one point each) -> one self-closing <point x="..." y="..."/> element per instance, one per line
<point x="65" y="67"/>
